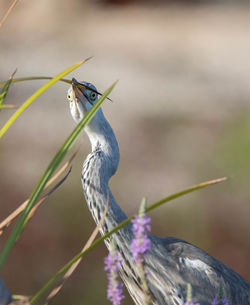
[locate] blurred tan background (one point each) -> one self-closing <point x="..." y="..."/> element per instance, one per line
<point x="181" y="114"/>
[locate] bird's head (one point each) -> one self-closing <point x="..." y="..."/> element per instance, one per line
<point x="81" y="97"/>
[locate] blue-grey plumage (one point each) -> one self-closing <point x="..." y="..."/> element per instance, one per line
<point x="5" y="295"/>
<point x="171" y="263"/>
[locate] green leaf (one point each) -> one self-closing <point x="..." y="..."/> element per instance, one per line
<point x="47" y="174"/>
<point x="36" y="95"/>
<point x="121" y="225"/>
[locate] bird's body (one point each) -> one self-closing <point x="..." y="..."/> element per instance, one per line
<point x="170" y="263"/>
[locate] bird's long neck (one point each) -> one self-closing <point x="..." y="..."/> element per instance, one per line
<point x="98" y="168"/>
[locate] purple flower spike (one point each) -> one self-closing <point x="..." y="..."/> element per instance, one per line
<point x="215" y="301"/>
<point x="223" y="301"/>
<point x="112" y="265"/>
<point x="141" y="243"/>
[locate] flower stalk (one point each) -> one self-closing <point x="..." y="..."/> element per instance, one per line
<point x="112" y="266"/>
<point x="140" y="246"/>
<point x="189" y="296"/>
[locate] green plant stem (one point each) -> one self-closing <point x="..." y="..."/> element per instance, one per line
<point x="23" y="79"/>
<point x="47" y="174"/>
<point x="4" y="90"/>
<point x="36" y="95"/>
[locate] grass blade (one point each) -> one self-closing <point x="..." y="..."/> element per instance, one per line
<point x="37" y="205"/>
<point x="184" y="192"/>
<point x="68" y="81"/>
<point x="36" y="95"/>
<point x="47" y="174"/>
<point x="10" y="9"/>
<point x="5" y="90"/>
<point x="23" y="79"/>
<point x="72" y="268"/>
<point x="121" y="225"/>
<point x="7" y="221"/>
<point x="8" y="106"/>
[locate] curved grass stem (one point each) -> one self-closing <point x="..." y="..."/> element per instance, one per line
<point x="121" y="225"/>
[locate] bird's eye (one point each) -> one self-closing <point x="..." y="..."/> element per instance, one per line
<point x="69" y="97"/>
<point x="92" y="95"/>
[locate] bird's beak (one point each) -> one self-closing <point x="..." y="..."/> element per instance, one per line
<point x="78" y="96"/>
<point x="81" y="86"/>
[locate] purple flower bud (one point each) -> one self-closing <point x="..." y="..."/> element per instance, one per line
<point x="215" y="301"/>
<point x="223" y="301"/>
<point x="112" y="265"/>
<point x="141" y="243"/>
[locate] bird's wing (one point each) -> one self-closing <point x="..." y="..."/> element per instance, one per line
<point x="178" y="263"/>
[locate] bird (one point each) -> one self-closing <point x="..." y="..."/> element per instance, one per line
<point x="5" y="295"/>
<point x="170" y="263"/>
